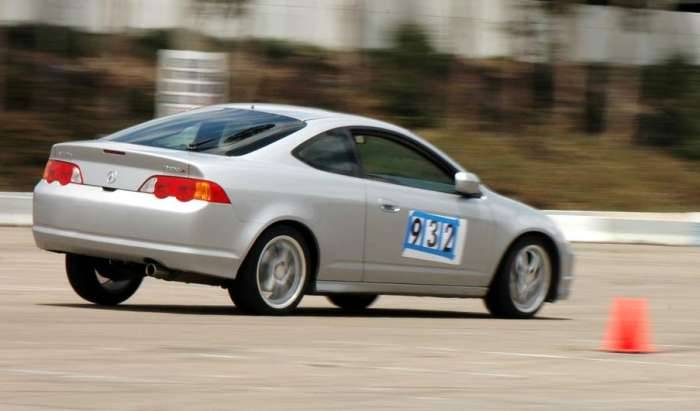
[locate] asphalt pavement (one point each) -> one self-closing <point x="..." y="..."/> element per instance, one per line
<point x="185" y="347"/>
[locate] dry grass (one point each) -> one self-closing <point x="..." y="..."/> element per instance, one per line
<point x="577" y="172"/>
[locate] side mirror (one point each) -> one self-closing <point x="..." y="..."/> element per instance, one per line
<point x="467" y="184"/>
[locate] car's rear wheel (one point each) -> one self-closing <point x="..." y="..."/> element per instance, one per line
<point x="352" y="302"/>
<point x="274" y="275"/>
<point x="94" y="281"/>
<point x="522" y="282"/>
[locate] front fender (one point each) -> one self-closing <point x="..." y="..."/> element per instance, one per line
<point x="513" y="220"/>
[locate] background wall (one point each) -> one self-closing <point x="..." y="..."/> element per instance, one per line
<point x="470" y="28"/>
<point x="556" y="103"/>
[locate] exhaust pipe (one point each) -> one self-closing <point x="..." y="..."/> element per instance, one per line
<point x="150" y="269"/>
<point x="156" y="270"/>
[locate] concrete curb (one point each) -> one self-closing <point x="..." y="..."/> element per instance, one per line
<point x="15" y="209"/>
<point x="578" y="226"/>
<point x="629" y="228"/>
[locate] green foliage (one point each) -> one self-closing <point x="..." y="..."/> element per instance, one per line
<point x="141" y="103"/>
<point x="63" y="41"/>
<point x="596" y="99"/>
<point x="671" y="81"/>
<point x="408" y="77"/>
<point x="273" y="49"/>
<point x="543" y="85"/>
<point x="18" y="85"/>
<point x="282" y="51"/>
<point x="148" y="44"/>
<point x="672" y="90"/>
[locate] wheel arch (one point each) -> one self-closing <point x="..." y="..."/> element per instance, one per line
<point x="309" y="237"/>
<point x="553" y="251"/>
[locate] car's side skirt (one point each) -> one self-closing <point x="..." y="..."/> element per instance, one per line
<point x="333" y="287"/>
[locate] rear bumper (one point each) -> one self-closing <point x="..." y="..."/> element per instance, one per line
<point x="129" y="226"/>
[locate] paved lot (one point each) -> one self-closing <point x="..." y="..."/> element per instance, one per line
<point x="184" y="347"/>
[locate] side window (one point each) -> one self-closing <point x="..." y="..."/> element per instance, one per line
<point x="393" y="162"/>
<point x="331" y="151"/>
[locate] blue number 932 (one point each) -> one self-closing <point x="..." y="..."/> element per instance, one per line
<point x="431" y="234"/>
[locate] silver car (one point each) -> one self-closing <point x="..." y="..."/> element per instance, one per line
<point x="274" y="202"/>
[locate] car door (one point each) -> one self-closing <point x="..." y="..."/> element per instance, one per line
<point x="418" y="230"/>
<point x="339" y="204"/>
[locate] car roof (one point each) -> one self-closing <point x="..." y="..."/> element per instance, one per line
<point x="306" y="114"/>
<point x="296" y="112"/>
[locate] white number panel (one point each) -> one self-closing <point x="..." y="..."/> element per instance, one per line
<point x="434" y="237"/>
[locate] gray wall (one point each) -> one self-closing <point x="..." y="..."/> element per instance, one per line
<point x="471" y="28"/>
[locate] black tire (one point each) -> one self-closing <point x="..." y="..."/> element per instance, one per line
<point x="352" y="302"/>
<point x="83" y="277"/>
<point x="499" y="300"/>
<point x="245" y="292"/>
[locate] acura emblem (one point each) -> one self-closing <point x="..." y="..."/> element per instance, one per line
<point x="112" y="177"/>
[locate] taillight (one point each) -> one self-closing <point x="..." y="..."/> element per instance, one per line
<point x="185" y="189"/>
<point x="63" y="172"/>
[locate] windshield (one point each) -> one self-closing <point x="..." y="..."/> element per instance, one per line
<point x="224" y="131"/>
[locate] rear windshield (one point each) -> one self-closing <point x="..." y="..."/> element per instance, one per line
<point x="224" y="131"/>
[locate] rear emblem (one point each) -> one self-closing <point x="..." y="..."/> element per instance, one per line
<point x="112" y="177"/>
<point x="174" y="169"/>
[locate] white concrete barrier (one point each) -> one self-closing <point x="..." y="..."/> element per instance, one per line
<point x="578" y="226"/>
<point x="15" y="209"/>
<point x="636" y="228"/>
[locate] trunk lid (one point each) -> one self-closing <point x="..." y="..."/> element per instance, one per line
<point x="124" y="166"/>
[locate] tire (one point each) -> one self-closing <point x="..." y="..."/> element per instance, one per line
<point x="352" y="302"/>
<point x="273" y="277"/>
<point x="94" y="285"/>
<point x="527" y="265"/>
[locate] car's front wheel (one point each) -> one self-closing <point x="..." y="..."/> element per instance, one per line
<point x="95" y="281"/>
<point x="352" y="302"/>
<point x="274" y="275"/>
<point x="522" y="282"/>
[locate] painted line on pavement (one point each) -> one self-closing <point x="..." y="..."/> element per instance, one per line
<point x="565" y="357"/>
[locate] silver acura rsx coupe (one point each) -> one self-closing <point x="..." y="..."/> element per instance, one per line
<point x="274" y="202"/>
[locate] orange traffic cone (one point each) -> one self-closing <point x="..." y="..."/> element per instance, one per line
<point x="628" y="327"/>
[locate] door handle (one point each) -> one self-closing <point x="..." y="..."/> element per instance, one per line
<point x="390" y="208"/>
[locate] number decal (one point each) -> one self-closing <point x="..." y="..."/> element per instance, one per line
<point x="434" y="237"/>
<point x="431" y="239"/>
<point x="416" y="228"/>
<point x="448" y="238"/>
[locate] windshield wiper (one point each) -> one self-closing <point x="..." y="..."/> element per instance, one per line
<point x="194" y="146"/>
<point x="248" y="132"/>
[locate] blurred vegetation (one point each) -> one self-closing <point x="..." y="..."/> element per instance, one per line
<point x="61" y="41"/>
<point x="408" y="75"/>
<point x="525" y="127"/>
<point x="671" y="90"/>
<point x="596" y="99"/>
<point x="577" y="172"/>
